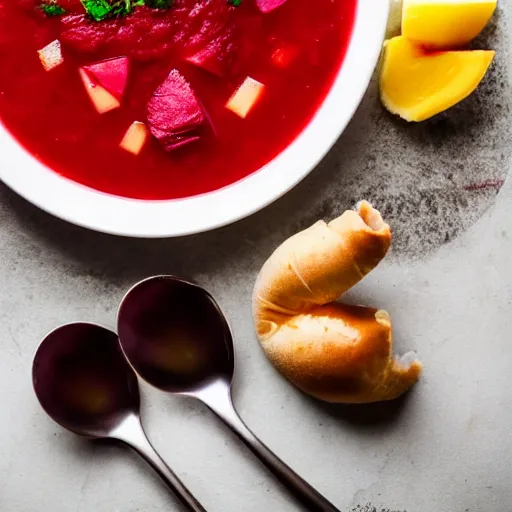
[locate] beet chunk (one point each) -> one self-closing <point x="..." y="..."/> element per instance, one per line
<point x="111" y="74"/>
<point x="174" y="115"/>
<point x="217" y="56"/>
<point x="269" y="5"/>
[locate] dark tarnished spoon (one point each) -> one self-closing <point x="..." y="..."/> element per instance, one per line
<point x="176" y="337"/>
<point x="85" y="384"/>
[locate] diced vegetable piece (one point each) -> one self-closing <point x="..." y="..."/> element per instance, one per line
<point x="102" y="100"/>
<point x="174" y="115"/>
<point x="51" y="55"/>
<point x="283" y="56"/>
<point x="111" y="74"/>
<point x="269" y="5"/>
<point x="245" y="97"/>
<point x="217" y="56"/>
<point x="135" y="138"/>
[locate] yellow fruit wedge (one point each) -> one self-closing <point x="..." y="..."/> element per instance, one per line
<point x="417" y="85"/>
<point x="445" y="23"/>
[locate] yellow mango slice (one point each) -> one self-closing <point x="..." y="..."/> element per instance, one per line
<point x="445" y="23"/>
<point x="416" y="85"/>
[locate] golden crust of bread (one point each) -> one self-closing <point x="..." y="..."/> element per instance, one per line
<point x="332" y="351"/>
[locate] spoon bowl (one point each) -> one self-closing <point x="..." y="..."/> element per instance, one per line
<point x="176" y="337"/>
<point x="83" y="381"/>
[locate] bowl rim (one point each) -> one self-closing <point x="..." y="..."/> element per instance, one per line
<point x="89" y="208"/>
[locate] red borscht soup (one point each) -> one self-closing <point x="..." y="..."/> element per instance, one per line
<point x="161" y="99"/>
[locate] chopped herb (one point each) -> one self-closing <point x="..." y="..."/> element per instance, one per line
<point x="100" y="10"/>
<point x="52" y="8"/>
<point x="120" y="8"/>
<point x="234" y="3"/>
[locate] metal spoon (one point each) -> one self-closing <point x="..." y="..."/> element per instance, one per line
<point x="176" y="337"/>
<point x="85" y="384"/>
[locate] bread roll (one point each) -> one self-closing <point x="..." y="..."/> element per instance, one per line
<point x="332" y="351"/>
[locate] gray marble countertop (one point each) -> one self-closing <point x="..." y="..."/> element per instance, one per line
<point x="445" y="447"/>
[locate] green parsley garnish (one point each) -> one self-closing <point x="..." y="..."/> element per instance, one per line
<point x="235" y="3"/>
<point x="100" y="10"/>
<point x="52" y="8"/>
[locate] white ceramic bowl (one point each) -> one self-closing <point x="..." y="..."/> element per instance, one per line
<point x="110" y="214"/>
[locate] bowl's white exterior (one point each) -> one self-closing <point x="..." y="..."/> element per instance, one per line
<point x="110" y="214"/>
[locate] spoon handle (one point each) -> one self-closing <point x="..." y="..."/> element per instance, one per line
<point x="218" y="398"/>
<point x="131" y="432"/>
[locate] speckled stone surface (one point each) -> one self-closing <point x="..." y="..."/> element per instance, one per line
<point x="446" y="447"/>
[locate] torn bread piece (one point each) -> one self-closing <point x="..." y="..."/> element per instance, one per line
<point x="332" y="351"/>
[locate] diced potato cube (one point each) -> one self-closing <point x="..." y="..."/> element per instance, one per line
<point x="135" y="138"/>
<point x="245" y="97"/>
<point x="51" y="55"/>
<point x="102" y="100"/>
